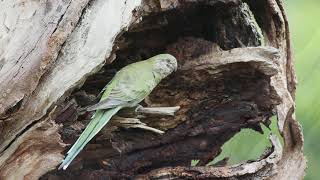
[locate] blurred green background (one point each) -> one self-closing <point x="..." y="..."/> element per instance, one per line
<point x="304" y="21"/>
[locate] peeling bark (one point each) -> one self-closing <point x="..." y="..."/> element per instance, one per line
<point x="31" y="155"/>
<point x="235" y="71"/>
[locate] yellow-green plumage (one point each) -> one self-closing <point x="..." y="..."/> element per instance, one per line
<point x="129" y="86"/>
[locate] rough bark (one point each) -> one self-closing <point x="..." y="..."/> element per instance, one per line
<point x="235" y="71"/>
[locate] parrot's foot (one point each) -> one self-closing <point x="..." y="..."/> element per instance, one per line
<point x="134" y="123"/>
<point x="166" y="111"/>
<point x="138" y="108"/>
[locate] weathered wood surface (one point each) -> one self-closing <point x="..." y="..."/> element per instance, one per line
<point x="54" y="58"/>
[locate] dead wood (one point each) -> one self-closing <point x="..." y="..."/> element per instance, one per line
<point x="235" y="71"/>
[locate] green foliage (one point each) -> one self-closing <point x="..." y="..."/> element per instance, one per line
<point x="305" y="33"/>
<point x="194" y="162"/>
<point x="247" y="145"/>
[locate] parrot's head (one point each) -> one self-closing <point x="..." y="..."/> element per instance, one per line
<point x="164" y="64"/>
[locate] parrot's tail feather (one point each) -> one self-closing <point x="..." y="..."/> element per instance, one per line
<point x="100" y="119"/>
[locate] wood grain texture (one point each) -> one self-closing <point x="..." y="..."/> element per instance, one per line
<point x="36" y="42"/>
<point x="235" y="71"/>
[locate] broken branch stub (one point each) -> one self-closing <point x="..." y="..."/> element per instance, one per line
<point x="232" y="74"/>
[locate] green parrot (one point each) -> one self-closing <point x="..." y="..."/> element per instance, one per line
<point x="128" y="87"/>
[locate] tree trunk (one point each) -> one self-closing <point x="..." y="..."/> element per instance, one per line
<point x="235" y="71"/>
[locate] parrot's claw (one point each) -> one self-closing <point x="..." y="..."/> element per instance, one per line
<point x="138" y="108"/>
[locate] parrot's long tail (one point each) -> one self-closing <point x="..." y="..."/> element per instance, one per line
<point x="100" y="119"/>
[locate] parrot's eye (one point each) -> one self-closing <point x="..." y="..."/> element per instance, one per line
<point x="168" y="65"/>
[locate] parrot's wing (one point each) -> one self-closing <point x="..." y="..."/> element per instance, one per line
<point x="111" y="102"/>
<point x="128" y="87"/>
<point x="106" y="104"/>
